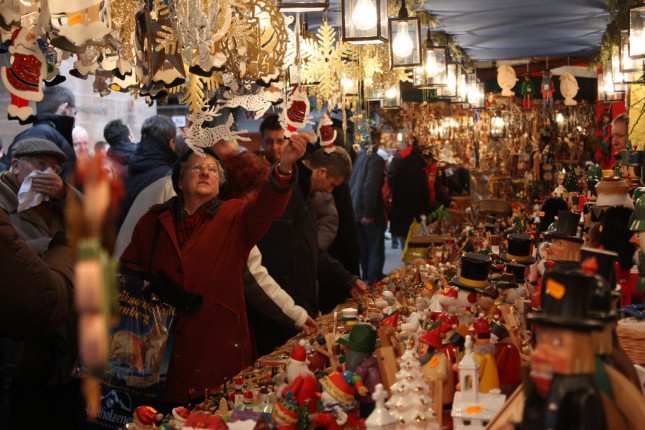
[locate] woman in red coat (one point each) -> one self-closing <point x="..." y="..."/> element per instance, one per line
<point x="203" y="244"/>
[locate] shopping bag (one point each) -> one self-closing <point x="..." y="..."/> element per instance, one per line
<point x="139" y="352"/>
<point x="141" y="342"/>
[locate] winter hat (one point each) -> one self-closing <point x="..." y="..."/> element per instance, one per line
<point x="176" y="169"/>
<point x="37" y="146"/>
<point x="341" y="386"/>
<point x="287" y="409"/>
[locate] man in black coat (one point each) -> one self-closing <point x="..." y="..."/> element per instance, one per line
<point x="119" y="136"/>
<point x="410" y="193"/>
<point x="153" y="159"/>
<point x="54" y="122"/>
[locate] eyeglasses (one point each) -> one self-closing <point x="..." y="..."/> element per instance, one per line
<point x="199" y="168"/>
<point x="41" y="164"/>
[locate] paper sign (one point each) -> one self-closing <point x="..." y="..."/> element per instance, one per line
<point x="555" y="289"/>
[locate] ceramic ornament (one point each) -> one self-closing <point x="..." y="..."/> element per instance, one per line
<point x="258" y="103"/>
<point x="198" y="138"/>
<point x="506" y="79"/>
<point x="326" y="133"/>
<point x="569" y="88"/>
<point x="410" y="403"/>
<point x="295" y="115"/>
<point x="25" y="74"/>
<point x="78" y="21"/>
<point x="380" y="418"/>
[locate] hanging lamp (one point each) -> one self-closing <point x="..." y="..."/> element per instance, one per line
<point x="364" y="21"/>
<point x="405" y="39"/>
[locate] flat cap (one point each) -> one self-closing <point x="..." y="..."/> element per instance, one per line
<point x="36" y="146"/>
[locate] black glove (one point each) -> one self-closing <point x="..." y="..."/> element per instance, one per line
<point x="173" y="293"/>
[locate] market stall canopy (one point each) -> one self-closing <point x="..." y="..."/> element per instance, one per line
<point x="491" y="30"/>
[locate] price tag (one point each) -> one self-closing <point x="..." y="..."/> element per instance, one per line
<point x="474" y="410"/>
<point x="434" y="361"/>
<point x="555" y="289"/>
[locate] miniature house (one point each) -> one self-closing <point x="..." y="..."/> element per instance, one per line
<point x="472" y="410"/>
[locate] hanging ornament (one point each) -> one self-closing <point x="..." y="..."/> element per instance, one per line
<point x="569" y="88"/>
<point x="292" y="42"/>
<point x="506" y="79"/>
<point x="75" y="23"/>
<point x="120" y="20"/>
<point x="24" y="77"/>
<point x="198" y="138"/>
<point x="258" y="103"/>
<point x="257" y="42"/>
<point x="198" y="26"/>
<point x="295" y="115"/>
<point x="11" y="12"/>
<point x="326" y="133"/>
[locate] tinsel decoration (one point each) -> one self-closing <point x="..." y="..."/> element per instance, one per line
<point x="121" y="22"/>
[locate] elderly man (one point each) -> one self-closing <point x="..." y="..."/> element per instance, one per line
<point x="31" y="192"/>
<point x="37" y="369"/>
<point x="203" y="245"/>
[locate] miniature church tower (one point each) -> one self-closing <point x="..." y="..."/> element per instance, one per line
<point x="472" y="410"/>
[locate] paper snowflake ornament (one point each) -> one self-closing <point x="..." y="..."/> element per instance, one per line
<point x="295" y="115"/>
<point x="259" y="103"/>
<point x="198" y="138"/>
<point x="326" y="133"/>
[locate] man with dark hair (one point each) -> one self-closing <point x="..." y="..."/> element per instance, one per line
<point x="290" y="248"/>
<point x="54" y="122"/>
<point x="152" y="160"/>
<point x="273" y="140"/>
<point x="118" y="135"/>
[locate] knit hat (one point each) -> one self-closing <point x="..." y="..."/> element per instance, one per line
<point x="36" y="146"/>
<point x="176" y="169"/>
<point x="341" y="386"/>
<point x="287" y="409"/>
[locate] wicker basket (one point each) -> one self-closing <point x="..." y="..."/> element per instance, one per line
<point x="631" y="335"/>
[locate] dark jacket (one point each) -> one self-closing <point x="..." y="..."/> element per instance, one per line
<point x="56" y="128"/>
<point x="291" y="255"/>
<point x="344" y="248"/>
<point x="122" y="152"/>
<point x="153" y="160"/>
<point x="213" y="344"/>
<point x="410" y="193"/>
<point x="366" y="186"/>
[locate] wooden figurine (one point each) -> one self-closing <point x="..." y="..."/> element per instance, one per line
<point x="437" y="370"/>
<point x="300" y="381"/>
<point x="286" y="414"/>
<point x="359" y="358"/>
<point x="339" y="408"/>
<point x="484" y="353"/>
<point x="562" y="394"/>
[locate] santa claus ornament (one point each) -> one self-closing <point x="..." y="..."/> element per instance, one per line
<point x="295" y="115"/>
<point x="326" y="133"/>
<point x="76" y="22"/>
<point x="27" y="71"/>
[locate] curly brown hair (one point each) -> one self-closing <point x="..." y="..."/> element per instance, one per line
<point x="246" y="172"/>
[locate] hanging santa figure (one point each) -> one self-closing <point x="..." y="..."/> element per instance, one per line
<point x="326" y="133"/>
<point x="25" y="74"/>
<point x="295" y="116"/>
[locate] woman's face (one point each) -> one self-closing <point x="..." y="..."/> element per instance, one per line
<point x="201" y="177"/>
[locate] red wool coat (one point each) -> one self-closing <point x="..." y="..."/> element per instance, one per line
<point x="213" y="344"/>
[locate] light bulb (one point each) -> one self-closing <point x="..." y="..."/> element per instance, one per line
<point x="402" y="45"/>
<point x="559" y="118"/>
<point x="364" y="15"/>
<point x="391" y="93"/>
<point x="432" y="68"/>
